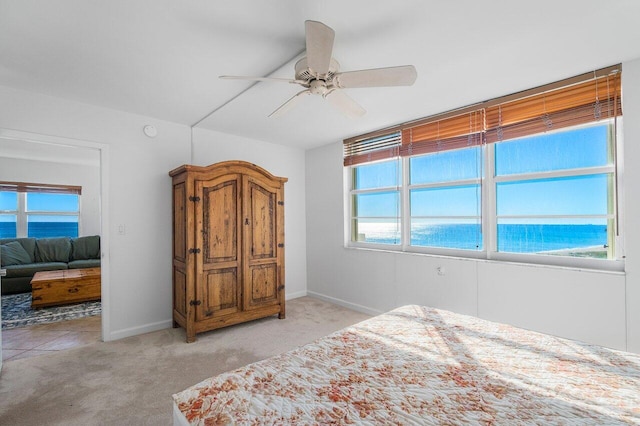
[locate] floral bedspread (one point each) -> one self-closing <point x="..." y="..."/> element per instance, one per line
<point x="419" y="365"/>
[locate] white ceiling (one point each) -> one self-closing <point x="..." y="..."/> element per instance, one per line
<point x="161" y="58"/>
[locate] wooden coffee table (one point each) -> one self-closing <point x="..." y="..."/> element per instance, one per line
<point x="50" y="288"/>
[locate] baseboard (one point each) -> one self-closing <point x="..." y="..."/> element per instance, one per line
<point x="134" y="331"/>
<point x="344" y="303"/>
<point x="161" y="325"/>
<point x="289" y="296"/>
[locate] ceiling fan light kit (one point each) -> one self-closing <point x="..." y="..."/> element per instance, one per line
<point x="320" y="74"/>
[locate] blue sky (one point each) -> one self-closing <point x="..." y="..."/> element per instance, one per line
<point x="8" y="200"/>
<point x="584" y="195"/>
<point x="41" y="202"/>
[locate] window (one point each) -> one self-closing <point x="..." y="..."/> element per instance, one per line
<point x="8" y="214"/>
<point x="445" y="199"/>
<point x="529" y="177"/>
<point x="376" y="203"/>
<point x="34" y="210"/>
<point x="555" y="193"/>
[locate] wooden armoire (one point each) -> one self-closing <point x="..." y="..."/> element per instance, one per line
<point x="228" y="245"/>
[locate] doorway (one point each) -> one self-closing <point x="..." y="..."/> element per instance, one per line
<point x="28" y="157"/>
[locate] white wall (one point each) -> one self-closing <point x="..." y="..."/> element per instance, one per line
<point x="86" y="176"/>
<point x="212" y="147"/>
<point x="631" y="111"/>
<point x="592" y="306"/>
<point x="139" y="197"/>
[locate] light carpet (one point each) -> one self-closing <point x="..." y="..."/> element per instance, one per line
<point x="130" y="381"/>
<point x="17" y="312"/>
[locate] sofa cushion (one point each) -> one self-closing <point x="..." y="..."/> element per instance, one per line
<point x="16" y="285"/>
<point x="53" y="249"/>
<point x="32" y="268"/>
<point x="83" y="248"/>
<point x="13" y="254"/>
<point x="29" y="245"/>
<point x="84" y="263"/>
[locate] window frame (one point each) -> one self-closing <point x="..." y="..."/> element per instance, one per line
<point x="454" y="183"/>
<point x="377" y="190"/>
<point x="14" y="213"/>
<point x="489" y="218"/>
<point x="615" y="264"/>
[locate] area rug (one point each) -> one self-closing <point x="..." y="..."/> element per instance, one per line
<point x="17" y="312"/>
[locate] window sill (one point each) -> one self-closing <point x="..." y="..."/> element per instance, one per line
<point x="528" y="260"/>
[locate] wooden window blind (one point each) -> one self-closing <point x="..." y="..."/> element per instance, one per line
<point x="582" y="103"/>
<point x="372" y="148"/>
<point x="40" y="187"/>
<point x="582" y="99"/>
<point x="455" y="132"/>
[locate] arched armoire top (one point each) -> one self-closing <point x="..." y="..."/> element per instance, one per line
<point x="224" y="167"/>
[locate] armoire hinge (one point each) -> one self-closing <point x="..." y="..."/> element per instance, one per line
<point x="194" y="199"/>
<point x="195" y="302"/>
<point x="194" y="250"/>
<point x="280" y="245"/>
<point x="281" y="203"/>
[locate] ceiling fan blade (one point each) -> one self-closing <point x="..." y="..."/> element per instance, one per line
<point x="379" y="77"/>
<point x="289" y="104"/>
<point x="345" y="104"/>
<point x="319" y="46"/>
<point x="241" y="77"/>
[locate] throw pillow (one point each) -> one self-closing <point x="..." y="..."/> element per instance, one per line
<point x="14" y="254"/>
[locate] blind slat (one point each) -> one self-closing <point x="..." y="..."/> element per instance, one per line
<point x="373" y="149"/>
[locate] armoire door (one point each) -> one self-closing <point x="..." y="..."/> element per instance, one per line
<point x="261" y="268"/>
<point x="218" y="236"/>
<point x="180" y="256"/>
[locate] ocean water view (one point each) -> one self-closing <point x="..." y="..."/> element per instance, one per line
<point x="512" y="238"/>
<point x="41" y="229"/>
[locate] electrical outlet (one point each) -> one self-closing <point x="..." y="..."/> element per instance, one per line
<point x="122" y="229"/>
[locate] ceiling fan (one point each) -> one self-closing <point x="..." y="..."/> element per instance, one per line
<point x="320" y="74"/>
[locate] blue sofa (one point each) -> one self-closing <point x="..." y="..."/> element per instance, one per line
<point x="23" y="257"/>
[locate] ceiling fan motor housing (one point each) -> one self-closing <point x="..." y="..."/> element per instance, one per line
<point x="303" y="72"/>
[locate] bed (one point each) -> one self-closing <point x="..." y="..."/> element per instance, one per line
<point x="420" y="365"/>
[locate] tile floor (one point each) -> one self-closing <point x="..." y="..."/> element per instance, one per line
<point x="34" y="340"/>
